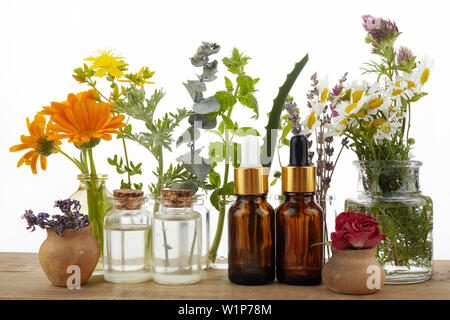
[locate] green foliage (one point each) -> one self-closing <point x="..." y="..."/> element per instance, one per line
<point x="242" y="90"/>
<point x="158" y="138"/>
<point x="130" y="169"/>
<point x="407" y="226"/>
<point x="278" y="106"/>
<point x="204" y="111"/>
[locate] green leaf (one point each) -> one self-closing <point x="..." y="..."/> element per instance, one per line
<point x="216" y="152"/>
<point x="229" y="85"/>
<point x="214" y="178"/>
<point x="418" y="96"/>
<point x="214" y="199"/>
<point x="227" y="189"/>
<point x="246" y="131"/>
<point x="286" y="130"/>
<point x="226" y="100"/>
<point x="228" y="123"/>
<point x="275" y="113"/>
<point x="249" y="100"/>
<point x="235" y="64"/>
<point x="274" y="181"/>
<point x="245" y="84"/>
<point x="208" y="105"/>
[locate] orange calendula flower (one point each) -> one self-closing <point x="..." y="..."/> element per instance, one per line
<point x="82" y="118"/>
<point x="38" y="141"/>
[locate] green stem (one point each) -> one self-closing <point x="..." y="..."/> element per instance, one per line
<point x="91" y="162"/>
<point x="222" y="203"/>
<point x="76" y="162"/>
<point x="126" y="159"/>
<point x="159" y="186"/>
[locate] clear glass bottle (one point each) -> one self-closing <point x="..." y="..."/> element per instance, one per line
<point x="127" y="243"/>
<point x="218" y="252"/>
<point x="390" y="191"/>
<point x="177" y="239"/>
<point x="94" y="199"/>
<point x="198" y="204"/>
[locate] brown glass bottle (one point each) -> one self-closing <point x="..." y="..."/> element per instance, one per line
<point x="299" y="224"/>
<point x="251" y="243"/>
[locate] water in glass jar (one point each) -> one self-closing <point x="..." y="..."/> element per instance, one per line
<point x="128" y="253"/>
<point x="177" y="250"/>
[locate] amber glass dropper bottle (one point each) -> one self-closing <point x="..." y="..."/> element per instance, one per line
<point x="299" y="221"/>
<point x="251" y="222"/>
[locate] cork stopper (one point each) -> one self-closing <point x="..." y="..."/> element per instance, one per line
<point x="176" y="198"/>
<point x="127" y="199"/>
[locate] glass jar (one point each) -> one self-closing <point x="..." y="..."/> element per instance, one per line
<point x="390" y="191"/>
<point x="94" y="200"/>
<point x="198" y="204"/>
<point x="127" y="239"/>
<point x="218" y="252"/>
<point x="177" y="239"/>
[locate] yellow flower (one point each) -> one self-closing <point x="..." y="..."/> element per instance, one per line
<point x="38" y="141"/>
<point x="81" y="118"/>
<point x="105" y="62"/>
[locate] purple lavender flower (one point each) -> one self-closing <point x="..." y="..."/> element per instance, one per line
<point x="291" y="108"/>
<point x="334" y="113"/>
<point x="71" y="218"/>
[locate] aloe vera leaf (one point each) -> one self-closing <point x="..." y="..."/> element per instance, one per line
<point x="277" y="109"/>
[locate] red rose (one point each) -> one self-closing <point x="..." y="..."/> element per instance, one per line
<point x="356" y="231"/>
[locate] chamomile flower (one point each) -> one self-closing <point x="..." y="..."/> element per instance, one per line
<point x="323" y="90"/>
<point x="313" y="120"/>
<point x="422" y="73"/>
<point x="337" y="126"/>
<point x="352" y="107"/>
<point x="384" y="129"/>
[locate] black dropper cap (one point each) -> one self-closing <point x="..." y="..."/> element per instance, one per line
<point x="299" y="151"/>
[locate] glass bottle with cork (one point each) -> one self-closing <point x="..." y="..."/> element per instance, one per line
<point x="251" y="222"/>
<point x="127" y="243"/>
<point x="299" y="221"/>
<point x="177" y="239"/>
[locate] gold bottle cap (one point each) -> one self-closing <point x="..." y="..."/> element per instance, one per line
<point x="298" y="179"/>
<point x="251" y="180"/>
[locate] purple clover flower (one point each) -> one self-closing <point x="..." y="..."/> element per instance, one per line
<point x="71" y="218"/>
<point x="404" y="54"/>
<point x="379" y="28"/>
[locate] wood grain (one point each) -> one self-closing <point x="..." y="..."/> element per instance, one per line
<point x="21" y="277"/>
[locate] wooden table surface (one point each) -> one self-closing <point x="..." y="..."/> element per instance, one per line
<point x="21" y="277"/>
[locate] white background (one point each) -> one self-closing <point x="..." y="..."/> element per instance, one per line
<point x="43" y="41"/>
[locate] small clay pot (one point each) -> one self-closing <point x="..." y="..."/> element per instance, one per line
<point x="353" y="272"/>
<point x="74" y="248"/>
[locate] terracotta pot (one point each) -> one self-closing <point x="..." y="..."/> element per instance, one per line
<point x="353" y="272"/>
<point x="74" y="248"/>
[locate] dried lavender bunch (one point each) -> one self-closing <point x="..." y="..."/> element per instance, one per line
<point x="71" y="218"/>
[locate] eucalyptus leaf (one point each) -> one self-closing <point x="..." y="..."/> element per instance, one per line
<point x="195" y="89"/>
<point x="199" y="170"/>
<point x="185" y="185"/>
<point x="189" y="135"/>
<point x="202" y="121"/>
<point x="208" y="105"/>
